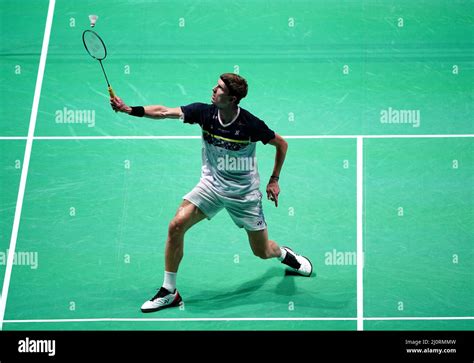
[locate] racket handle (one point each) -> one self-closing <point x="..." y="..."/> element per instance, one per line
<point x="112" y="95"/>
<point x="111" y="92"/>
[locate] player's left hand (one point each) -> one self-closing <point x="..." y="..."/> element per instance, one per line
<point x="273" y="189"/>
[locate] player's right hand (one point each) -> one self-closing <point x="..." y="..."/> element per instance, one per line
<point x="117" y="104"/>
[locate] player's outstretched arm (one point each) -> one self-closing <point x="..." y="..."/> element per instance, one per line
<point x="154" y="111"/>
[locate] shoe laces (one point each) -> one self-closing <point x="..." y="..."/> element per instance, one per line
<point x="162" y="292"/>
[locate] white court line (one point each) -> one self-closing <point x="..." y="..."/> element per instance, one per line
<point x="178" y="137"/>
<point x="174" y="319"/>
<point x="425" y="318"/>
<point x="378" y="136"/>
<point x="116" y="137"/>
<point x="360" y="229"/>
<point x="26" y="161"/>
<point x="92" y="320"/>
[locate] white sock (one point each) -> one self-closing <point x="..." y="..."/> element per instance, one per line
<point x="283" y="254"/>
<point x="169" y="282"/>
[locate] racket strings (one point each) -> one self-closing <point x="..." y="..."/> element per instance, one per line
<point x="94" y="45"/>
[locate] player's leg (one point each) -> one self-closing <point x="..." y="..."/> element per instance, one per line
<point x="261" y="246"/>
<point x="247" y="212"/>
<point x="199" y="203"/>
<point x="186" y="216"/>
<point x="264" y="248"/>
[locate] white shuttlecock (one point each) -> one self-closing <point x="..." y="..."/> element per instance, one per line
<point x="93" y="20"/>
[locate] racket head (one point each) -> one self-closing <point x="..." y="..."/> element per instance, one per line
<point x="94" y="45"/>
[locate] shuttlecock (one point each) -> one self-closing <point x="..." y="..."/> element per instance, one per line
<point x="93" y="20"/>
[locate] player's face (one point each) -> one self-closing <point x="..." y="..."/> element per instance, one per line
<point x="220" y="95"/>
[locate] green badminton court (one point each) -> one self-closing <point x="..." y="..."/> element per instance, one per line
<point x="375" y="99"/>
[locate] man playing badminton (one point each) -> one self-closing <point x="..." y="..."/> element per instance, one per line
<point x="229" y="178"/>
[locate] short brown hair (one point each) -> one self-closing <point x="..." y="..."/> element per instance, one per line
<point x="236" y="84"/>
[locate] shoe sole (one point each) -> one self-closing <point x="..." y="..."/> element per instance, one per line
<point x="299" y="273"/>
<point x="173" y="304"/>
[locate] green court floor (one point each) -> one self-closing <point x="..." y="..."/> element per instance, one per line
<point x="394" y="77"/>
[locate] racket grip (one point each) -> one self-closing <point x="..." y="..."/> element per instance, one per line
<point x="111" y="92"/>
<point x="112" y="95"/>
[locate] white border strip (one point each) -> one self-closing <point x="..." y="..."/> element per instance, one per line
<point x="360" y="250"/>
<point x="93" y="320"/>
<point x="178" y="137"/>
<point x="26" y="161"/>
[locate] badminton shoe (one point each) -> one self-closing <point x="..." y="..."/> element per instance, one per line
<point x="163" y="299"/>
<point x="297" y="263"/>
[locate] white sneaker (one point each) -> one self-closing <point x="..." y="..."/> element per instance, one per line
<point x="163" y="299"/>
<point x="297" y="263"/>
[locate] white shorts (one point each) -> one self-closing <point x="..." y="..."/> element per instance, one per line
<point x="246" y="211"/>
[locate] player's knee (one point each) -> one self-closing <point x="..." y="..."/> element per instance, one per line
<point x="176" y="228"/>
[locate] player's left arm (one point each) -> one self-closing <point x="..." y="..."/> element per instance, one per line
<point x="273" y="189"/>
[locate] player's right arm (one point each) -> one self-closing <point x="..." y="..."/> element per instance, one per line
<point x="160" y="112"/>
<point x="153" y="111"/>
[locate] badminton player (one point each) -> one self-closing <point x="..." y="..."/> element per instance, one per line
<point x="229" y="178"/>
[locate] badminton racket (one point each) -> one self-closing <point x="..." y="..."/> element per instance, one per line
<point x="95" y="46"/>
